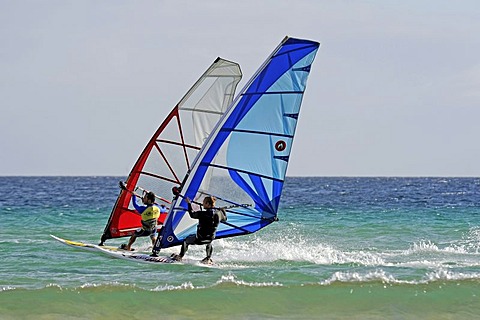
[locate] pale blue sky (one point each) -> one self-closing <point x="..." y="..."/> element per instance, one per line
<point x="394" y="90"/>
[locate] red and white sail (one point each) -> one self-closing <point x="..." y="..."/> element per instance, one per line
<point x="169" y="154"/>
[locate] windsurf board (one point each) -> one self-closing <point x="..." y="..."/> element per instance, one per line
<point x="148" y="258"/>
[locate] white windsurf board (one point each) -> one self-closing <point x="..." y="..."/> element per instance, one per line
<point x="148" y="258"/>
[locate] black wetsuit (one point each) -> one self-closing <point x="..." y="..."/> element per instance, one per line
<point x="208" y="221"/>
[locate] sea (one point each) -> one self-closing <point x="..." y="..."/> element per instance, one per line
<point x="343" y="248"/>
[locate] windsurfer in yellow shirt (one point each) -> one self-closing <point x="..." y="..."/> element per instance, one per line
<point x="149" y="213"/>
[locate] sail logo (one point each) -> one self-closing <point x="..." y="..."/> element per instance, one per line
<point x="280" y="145"/>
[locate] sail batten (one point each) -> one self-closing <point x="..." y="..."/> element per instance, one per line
<point x="259" y="132"/>
<point x="240" y="171"/>
<point x="270" y="93"/>
<point x="205" y="111"/>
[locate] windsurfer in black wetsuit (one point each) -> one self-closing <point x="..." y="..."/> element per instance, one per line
<point x="208" y="220"/>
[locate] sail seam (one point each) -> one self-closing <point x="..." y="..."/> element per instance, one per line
<point x="259" y="132"/>
<point x="236" y="227"/>
<point x="269" y="93"/>
<point x="200" y="110"/>
<point x="293" y="50"/>
<point x="220" y="76"/>
<point x="245" y="214"/>
<point x="239" y="170"/>
<point x="220" y="198"/>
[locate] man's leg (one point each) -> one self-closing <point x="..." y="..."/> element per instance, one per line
<point x="209" y="250"/>
<point x="130" y="242"/>
<point x="153" y="237"/>
<point x="188" y="241"/>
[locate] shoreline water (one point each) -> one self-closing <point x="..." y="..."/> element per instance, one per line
<point x="375" y="300"/>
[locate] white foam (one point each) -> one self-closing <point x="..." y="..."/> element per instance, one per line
<point x="113" y="284"/>
<point x="348" y="276"/>
<point x="231" y="278"/>
<point x="381" y="275"/>
<point x="54" y="285"/>
<point x="471" y="241"/>
<point x="444" y="274"/>
<point x="260" y="250"/>
<point x="183" y="286"/>
<point x="425" y="246"/>
<point x="224" y="279"/>
<point x="422" y="247"/>
<point x="7" y="288"/>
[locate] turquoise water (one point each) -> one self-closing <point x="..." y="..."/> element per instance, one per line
<point x="366" y="248"/>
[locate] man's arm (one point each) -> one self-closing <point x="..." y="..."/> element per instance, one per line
<point x="193" y="214"/>
<point x="219" y="216"/>
<point x="222" y="216"/>
<point x="139" y="208"/>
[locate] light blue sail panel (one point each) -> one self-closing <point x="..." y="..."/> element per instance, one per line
<point x="247" y="154"/>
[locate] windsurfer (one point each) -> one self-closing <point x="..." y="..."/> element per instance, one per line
<point x="208" y="220"/>
<point x="149" y="213"/>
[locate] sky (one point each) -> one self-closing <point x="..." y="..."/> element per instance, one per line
<point x="394" y="89"/>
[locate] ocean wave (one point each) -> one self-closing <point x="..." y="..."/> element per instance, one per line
<point x="231" y="278"/>
<point x="471" y="240"/>
<point x="224" y="280"/>
<point x="183" y="286"/>
<point x="378" y="275"/>
<point x="429" y="246"/>
<point x="421" y="254"/>
<point x="259" y="250"/>
<point x="445" y="274"/>
<point x="7" y="288"/>
<point x="54" y="285"/>
<point x="386" y="278"/>
<point x="107" y="284"/>
<point x="348" y="276"/>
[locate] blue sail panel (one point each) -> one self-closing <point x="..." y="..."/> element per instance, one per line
<point x="246" y="156"/>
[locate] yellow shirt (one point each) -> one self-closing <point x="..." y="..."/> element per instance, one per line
<point x="149" y="217"/>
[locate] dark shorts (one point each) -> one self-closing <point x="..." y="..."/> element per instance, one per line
<point x="193" y="239"/>
<point x="145" y="233"/>
<point x="203" y="241"/>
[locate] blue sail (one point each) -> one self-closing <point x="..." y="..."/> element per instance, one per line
<point x="244" y="161"/>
